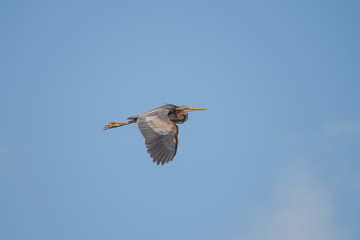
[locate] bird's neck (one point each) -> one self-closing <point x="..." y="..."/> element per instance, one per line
<point x="179" y="117"/>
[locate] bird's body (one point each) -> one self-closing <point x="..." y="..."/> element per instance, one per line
<point x="159" y="129"/>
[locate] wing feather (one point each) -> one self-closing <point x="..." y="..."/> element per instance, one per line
<point x="160" y="135"/>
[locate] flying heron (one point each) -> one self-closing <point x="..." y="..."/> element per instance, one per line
<point x="159" y="129"/>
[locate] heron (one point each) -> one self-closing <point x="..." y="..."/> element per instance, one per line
<point x="160" y="130"/>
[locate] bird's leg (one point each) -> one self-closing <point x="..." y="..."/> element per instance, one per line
<point x="118" y="124"/>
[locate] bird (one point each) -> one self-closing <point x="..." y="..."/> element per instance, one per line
<point x="160" y="130"/>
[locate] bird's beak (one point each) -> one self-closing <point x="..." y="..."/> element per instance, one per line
<point x="189" y="109"/>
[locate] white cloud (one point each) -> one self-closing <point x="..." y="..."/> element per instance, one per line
<point x="300" y="209"/>
<point x="343" y="128"/>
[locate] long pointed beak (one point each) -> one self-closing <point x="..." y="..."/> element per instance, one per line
<point x="195" y="109"/>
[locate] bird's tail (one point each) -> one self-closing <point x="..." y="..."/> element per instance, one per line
<point x="117" y="124"/>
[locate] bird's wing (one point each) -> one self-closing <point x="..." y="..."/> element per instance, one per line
<point x="160" y="135"/>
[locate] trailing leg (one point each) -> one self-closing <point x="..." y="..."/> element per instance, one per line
<point x="117" y="124"/>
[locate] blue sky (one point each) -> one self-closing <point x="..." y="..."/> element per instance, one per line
<point x="276" y="156"/>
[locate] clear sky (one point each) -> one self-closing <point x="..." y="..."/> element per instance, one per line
<point x="276" y="156"/>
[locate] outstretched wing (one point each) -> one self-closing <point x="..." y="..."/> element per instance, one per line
<point x="160" y="135"/>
